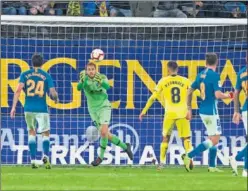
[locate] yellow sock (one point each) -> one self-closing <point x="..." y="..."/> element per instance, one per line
<point x="163" y="151"/>
<point x="187" y="145"/>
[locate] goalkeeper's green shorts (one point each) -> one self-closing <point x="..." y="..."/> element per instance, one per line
<point x="101" y="116"/>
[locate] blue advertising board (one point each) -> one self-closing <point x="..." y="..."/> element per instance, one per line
<point x="133" y="68"/>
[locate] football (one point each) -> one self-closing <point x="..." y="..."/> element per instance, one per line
<point x="92" y="134"/>
<point x="97" y="55"/>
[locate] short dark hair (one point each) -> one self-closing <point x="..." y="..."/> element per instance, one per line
<point x="172" y="65"/>
<point x="91" y="64"/>
<point x="211" y="58"/>
<point x="37" y="60"/>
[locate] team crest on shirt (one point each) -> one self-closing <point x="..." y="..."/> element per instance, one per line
<point x="208" y="121"/>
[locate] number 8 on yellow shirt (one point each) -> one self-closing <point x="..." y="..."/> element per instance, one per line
<point x="174" y="90"/>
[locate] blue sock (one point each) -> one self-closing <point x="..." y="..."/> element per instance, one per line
<point x="32" y="147"/>
<point x="200" y="148"/>
<point x="246" y="158"/>
<point x="241" y="154"/>
<point x="46" y="145"/>
<point x="246" y="163"/>
<point x="212" y="156"/>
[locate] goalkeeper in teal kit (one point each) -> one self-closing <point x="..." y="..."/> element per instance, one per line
<point x="95" y="86"/>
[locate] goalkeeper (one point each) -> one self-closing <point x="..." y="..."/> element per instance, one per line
<point x="95" y="86"/>
<point x="174" y="89"/>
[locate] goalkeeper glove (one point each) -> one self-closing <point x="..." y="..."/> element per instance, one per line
<point x="98" y="78"/>
<point x="82" y="75"/>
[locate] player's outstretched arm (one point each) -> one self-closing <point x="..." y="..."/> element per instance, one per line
<point x="82" y="79"/>
<point x="221" y="95"/>
<point x="148" y="105"/>
<point x="151" y="99"/>
<point x="15" y="99"/>
<point x="217" y="89"/>
<point x="80" y="86"/>
<point x="54" y="95"/>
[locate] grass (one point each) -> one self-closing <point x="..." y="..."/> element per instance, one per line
<point x="118" y="178"/>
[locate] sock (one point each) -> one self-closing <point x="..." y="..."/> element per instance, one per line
<point x="212" y="156"/>
<point x="241" y="154"/>
<point x="32" y="147"/>
<point x="46" y="145"/>
<point x="246" y="161"/>
<point x="244" y="154"/>
<point x="163" y="151"/>
<point x="103" y="145"/>
<point x="116" y="141"/>
<point x="187" y="145"/>
<point x="200" y="148"/>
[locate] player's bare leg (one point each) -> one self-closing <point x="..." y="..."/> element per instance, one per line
<point x="32" y="147"/>
<point x="46" y="146"/>
<point x="163" y="150"/>
<point x="103" y="144"/>
<point x="125" y="146"/>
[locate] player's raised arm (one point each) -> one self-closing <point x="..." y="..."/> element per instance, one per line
<point x="151" y="99"/>
<point x="16" y="97"/>
<point x="82" y="77"/>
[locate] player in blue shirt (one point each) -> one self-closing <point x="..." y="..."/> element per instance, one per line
<point x="208" y="82"/>
<point x="36" y="83"/>
<point x="241" y="84"/>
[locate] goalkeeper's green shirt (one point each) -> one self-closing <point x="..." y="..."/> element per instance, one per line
<point x="95" y="92"/>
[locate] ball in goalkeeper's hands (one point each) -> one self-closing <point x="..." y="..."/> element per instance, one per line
<point x="92" y="134"/>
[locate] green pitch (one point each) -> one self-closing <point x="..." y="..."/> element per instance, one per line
<point x="118" y="178"/>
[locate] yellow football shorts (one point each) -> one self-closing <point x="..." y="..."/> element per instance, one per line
<point x="183" y="127"/>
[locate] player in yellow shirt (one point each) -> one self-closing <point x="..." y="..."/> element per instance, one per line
<point x="174" y="89"/>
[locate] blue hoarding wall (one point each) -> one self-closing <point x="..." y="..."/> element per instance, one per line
<point x="134" y="66"/>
